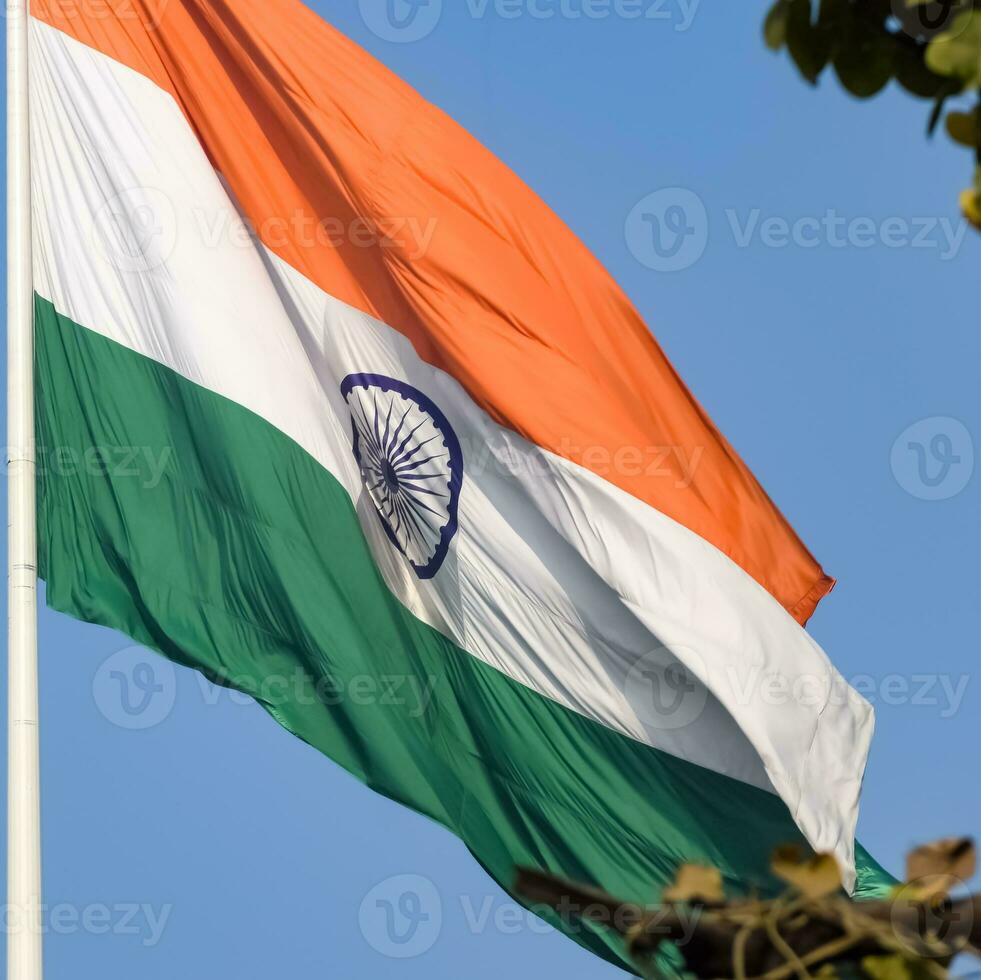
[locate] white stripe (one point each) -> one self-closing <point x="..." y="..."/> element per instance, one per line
<point x="556" y="578"/>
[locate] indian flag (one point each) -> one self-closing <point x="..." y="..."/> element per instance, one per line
<point x="355" y="407"/>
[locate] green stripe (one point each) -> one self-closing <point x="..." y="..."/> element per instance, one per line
<point x="246" y="561"/>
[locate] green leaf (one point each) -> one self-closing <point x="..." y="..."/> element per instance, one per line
<point x="895" y="967"/>
<point x="936" y="114"/>
<point x="957" y="52"/>
<point x="912" y="72"/>
<point x="864" y="63"/>
<point x="809" y="44"/>
<point x="696" y="883"/>
<point x="970" y="201"/>
<point x="775" y="27"/>
<point x="964" y="128"/>
<point x="938" y="868"/>
<point x="834" y="15"/>
<point x="813" y="875"/>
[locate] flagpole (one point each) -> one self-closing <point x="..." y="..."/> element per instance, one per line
<point x="23" y="789"/>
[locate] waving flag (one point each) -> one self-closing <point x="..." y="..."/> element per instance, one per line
<point x="368" y="434"/>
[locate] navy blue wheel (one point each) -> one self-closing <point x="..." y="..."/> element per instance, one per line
<point x="411" y="466"/>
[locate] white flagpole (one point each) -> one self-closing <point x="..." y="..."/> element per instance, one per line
<point x="23" y="790"/>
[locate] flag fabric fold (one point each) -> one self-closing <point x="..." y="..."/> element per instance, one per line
<point x="427" y="487"/>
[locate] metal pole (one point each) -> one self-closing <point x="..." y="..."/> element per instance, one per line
<point x="23" y="791"/>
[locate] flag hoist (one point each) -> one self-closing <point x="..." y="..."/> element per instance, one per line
<point x="23" y="798"/>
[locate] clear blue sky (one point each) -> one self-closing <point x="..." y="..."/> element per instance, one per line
<point x="248" y="855"/>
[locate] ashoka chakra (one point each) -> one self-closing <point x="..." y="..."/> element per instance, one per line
<point x="411" y="466"/>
